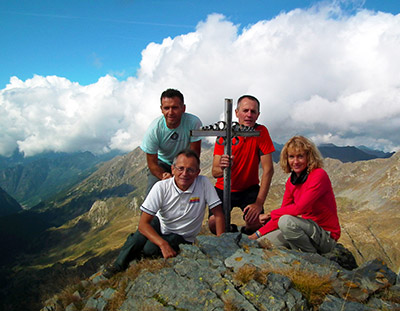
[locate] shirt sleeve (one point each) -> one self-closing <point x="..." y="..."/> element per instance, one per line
<point x="154" y="199"/>
<point x="269" y="226"/>
<point x="218" y="147"/>
<point x="265" y="143"/>
<point x="196" y="124"/>
<point x="150" y="142"/>
<point x="211" y="196"/>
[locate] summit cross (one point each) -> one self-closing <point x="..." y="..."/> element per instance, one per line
<point x="228" y="131"/>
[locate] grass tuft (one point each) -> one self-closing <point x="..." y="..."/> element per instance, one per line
<point x="120" y="281"/>
<point x="313" y="286"/>
<point x="247" y="273"/>
<point x="230" y="306"/>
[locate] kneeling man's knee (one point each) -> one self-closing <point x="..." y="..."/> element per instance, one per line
<point x="286" y="222"/>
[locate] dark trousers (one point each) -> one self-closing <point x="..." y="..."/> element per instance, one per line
<point x="242" y="198"/>
<point x="138" y="245"/>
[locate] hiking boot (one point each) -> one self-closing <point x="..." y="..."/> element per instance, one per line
<point x="234" y="228"/>
<point x="246" y="231"/>
<point x="111" y="270"/>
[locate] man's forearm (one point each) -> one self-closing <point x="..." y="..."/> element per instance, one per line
<point x="151" y="234"/>
<point x="196" y="146"/>
<point x="152" y="163"/>
<point x="157" y="171"/>
<point x="219" y="220"/>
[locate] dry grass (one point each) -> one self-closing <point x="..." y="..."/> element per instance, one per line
<point x="118" y="282"/>
<point x="151" y="265"/>
<point x="313" y="286"/>
<point x="68" y="296"/>
<point x="390" y="296"/>
<point x="119" y="296"/>
<point x="121" y="280"/>
<point x="230" y="306"/>
<point x="247" y="273"/>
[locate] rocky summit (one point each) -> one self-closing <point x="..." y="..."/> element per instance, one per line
<point x="231" y="272"/>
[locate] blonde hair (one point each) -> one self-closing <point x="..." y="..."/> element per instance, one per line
<point x="301" y="143"/>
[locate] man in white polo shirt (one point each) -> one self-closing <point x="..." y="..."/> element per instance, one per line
<point x="172" y="213"/>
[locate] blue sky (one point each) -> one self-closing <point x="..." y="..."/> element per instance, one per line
<point x="85" y="40"/>
<point x="87" y="75"/>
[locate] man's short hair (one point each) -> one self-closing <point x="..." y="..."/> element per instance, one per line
<point x="171" y="93"/>
<point x="249" y="97"/>
<point x="188" y="153"/>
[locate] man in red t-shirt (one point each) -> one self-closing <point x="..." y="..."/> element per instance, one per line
<point x="247" y="155"/>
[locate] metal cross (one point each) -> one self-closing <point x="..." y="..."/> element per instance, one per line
<point x="228" y="132"/>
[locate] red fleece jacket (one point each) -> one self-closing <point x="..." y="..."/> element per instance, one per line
<point x="314" y="199"/>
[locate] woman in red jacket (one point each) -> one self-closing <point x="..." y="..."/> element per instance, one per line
<point x="307" y="219"/>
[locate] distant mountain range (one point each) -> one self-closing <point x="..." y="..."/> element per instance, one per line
<point x="32" y="180"/>
<point x="344" y="154"/>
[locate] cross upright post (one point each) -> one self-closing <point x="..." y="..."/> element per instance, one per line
<point x="226" y="204"/>
<point x="228" y="133"/>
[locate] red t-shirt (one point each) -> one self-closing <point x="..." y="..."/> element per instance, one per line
<point x="246" y="160"/>
<point x="314" y="199"/>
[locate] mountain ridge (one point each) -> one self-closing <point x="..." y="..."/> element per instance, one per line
<point x="8" y="205"/>
<point x="32" y="180"/>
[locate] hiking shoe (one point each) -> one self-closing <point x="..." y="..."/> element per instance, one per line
<point x="110" y="271"/>
<point x="234" y="228"/>
<point x="246" y="231"/>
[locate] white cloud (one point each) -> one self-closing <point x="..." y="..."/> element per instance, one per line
<point x="317" y="72"/>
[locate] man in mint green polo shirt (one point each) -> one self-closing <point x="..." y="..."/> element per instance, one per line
<point x="167" y="135"/>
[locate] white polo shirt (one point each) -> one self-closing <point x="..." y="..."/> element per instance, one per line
<point x="181" y="212"/>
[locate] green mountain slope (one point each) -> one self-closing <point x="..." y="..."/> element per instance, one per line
<point x="33" y="180"/>
<point x="8" y="205"/>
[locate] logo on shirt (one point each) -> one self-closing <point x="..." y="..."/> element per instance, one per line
<point x="174" y="136"/>
<point x="194" y="200"/>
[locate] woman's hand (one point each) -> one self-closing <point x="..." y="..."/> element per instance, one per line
<point x="253" y="237"/>
<point x="264" y="218"/>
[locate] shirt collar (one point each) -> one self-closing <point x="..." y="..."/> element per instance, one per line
<point x="189" y="190"/>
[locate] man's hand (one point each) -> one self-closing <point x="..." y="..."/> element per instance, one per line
<point x="225" y="161"/>
<point x="167" y="251"/>
<point x="166" y="175"/>
<point x="252" y="212"/>
<point x="220" y="162"/>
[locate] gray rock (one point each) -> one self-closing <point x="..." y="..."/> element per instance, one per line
<point x="379" y="304"/>
<point x="71" y="307"/>
<point x="94" y="303"/>
<point x="332" y="303"/>
<point x="206" y="276"/>
<point x="254" y="256"/>
<point x="359" y="284"/>
<point x="108" y="293"/>
<point x="219" y="247"/>
<point x="170" y="290"/>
